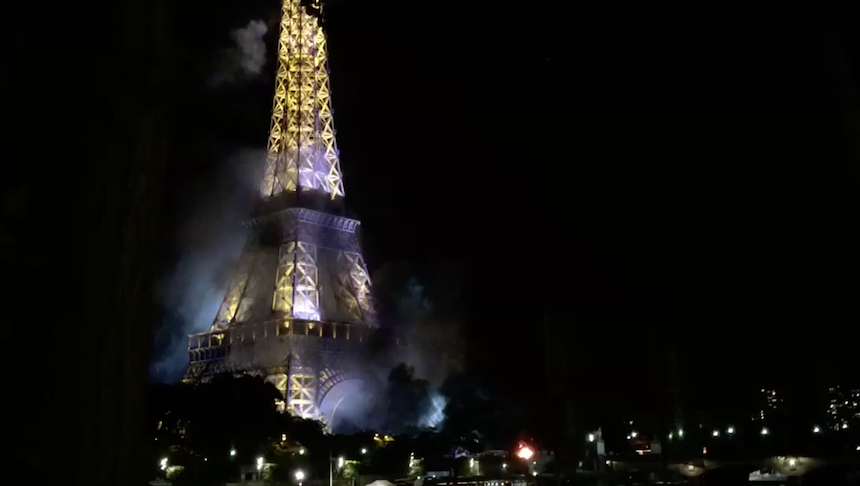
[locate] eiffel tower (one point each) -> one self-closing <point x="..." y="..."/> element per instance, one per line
<point x="299" y="306"/>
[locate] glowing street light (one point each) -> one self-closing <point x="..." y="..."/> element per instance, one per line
<point x="715" y="433"/>
<point x="504" y="465"/>
<point x="363" y="450"/>
<point x="764" y="431"/>
<point x="634" y="434"/>
<point x="671" y="435"/>
<point x="844" y="426"/>
<point x="816" y="430"/>
<point x="163" y="463"/>
<point x="232" y="452"/>
<point x="302" y="451"/>
<point x="680" y="433"/>
<point x="300" y="475"/>
<point x="792" y="463"/>
<point x="534" y="473"/>
<point x="730" y="430"/>
<point x="259" y="463"/>
<point x="340" y="462"/>
<point x="590" y="437"/>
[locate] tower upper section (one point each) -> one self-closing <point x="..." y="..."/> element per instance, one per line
<point x="301" y="153"/>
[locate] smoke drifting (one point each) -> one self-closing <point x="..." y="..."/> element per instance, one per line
<point x="211" y="237"/>
<point x="246" y="59"/>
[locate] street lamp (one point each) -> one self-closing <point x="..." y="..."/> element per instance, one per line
<point x="680" y="433"/>
<point x="764" y="431"/>
<point x="259" y="463"/>
<point x="634" y="434"/>
<point x="730" y="430"/>
<point x="715" y="433"/>
<point x="232" y="452"/>
<point x="816" y="430"/>
<point x="300" y="475"/>
<point x="302" y="451"/>
<point x="340" y="462"/>
<point x="590" y="437"/>
<point x="163" y="463"/>
<point x="363" y="451"/>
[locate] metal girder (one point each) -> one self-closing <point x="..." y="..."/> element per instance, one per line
<point x="301" y="293"/>
<point x="301" y="148"/>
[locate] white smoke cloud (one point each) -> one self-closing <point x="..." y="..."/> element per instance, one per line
<point x="210" y="238"/>
<point x="246" y="59"/>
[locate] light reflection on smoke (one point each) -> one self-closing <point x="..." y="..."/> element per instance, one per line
<point x="435" y="414"/>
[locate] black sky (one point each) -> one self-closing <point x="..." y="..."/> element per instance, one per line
<point x="640" y="175"/>
<point x="637" y="175"/>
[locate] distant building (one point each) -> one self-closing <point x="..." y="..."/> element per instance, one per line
<point x="771" y="403"/>
<point x="843" y="406"/>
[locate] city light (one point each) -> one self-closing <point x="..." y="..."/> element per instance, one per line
<point x="844" y="426"/>
<point x="764" y="431"/>
<point x="792" y="463"/>
<point x="730" y="430"/>
<point x="634" y="434"/>
<point x="163" y="463"/>
<point x="534" y="473"/>
<point x="680" y="433"/>
<point x="363" y="450"/>
<point x="300" y="475"/>
<point x="259" y="463"/>
<point x="340" y="462"/>
<point x="302" y="451"/>
<point x="715" y="433"/>
<point x="590" y="437"/>
<point x="525" y="452"/>
<point x="816" y="430"/>
<point x="283" y="437"/>
<point x="671" y="435"/>
<point x="232" y="452"/>
<point x="690" y="467"/>
<point x="504" y="465"/>
<point x="629" y="437"/>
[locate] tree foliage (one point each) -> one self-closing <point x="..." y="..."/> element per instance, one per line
<point x="197" y="426"/>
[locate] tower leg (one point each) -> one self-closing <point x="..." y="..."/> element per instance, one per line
<point x="302" y="389"/>
<point x="280" y="380"/>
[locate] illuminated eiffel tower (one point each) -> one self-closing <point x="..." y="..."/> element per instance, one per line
<point x="299" y="305"/>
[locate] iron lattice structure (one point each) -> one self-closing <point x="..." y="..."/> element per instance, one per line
<point x="299" y="306"/>
<point x="301" y="148"/>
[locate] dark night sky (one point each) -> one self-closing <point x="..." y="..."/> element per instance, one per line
<point x="643" y="177"/>
<point x="639" y="175"/>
